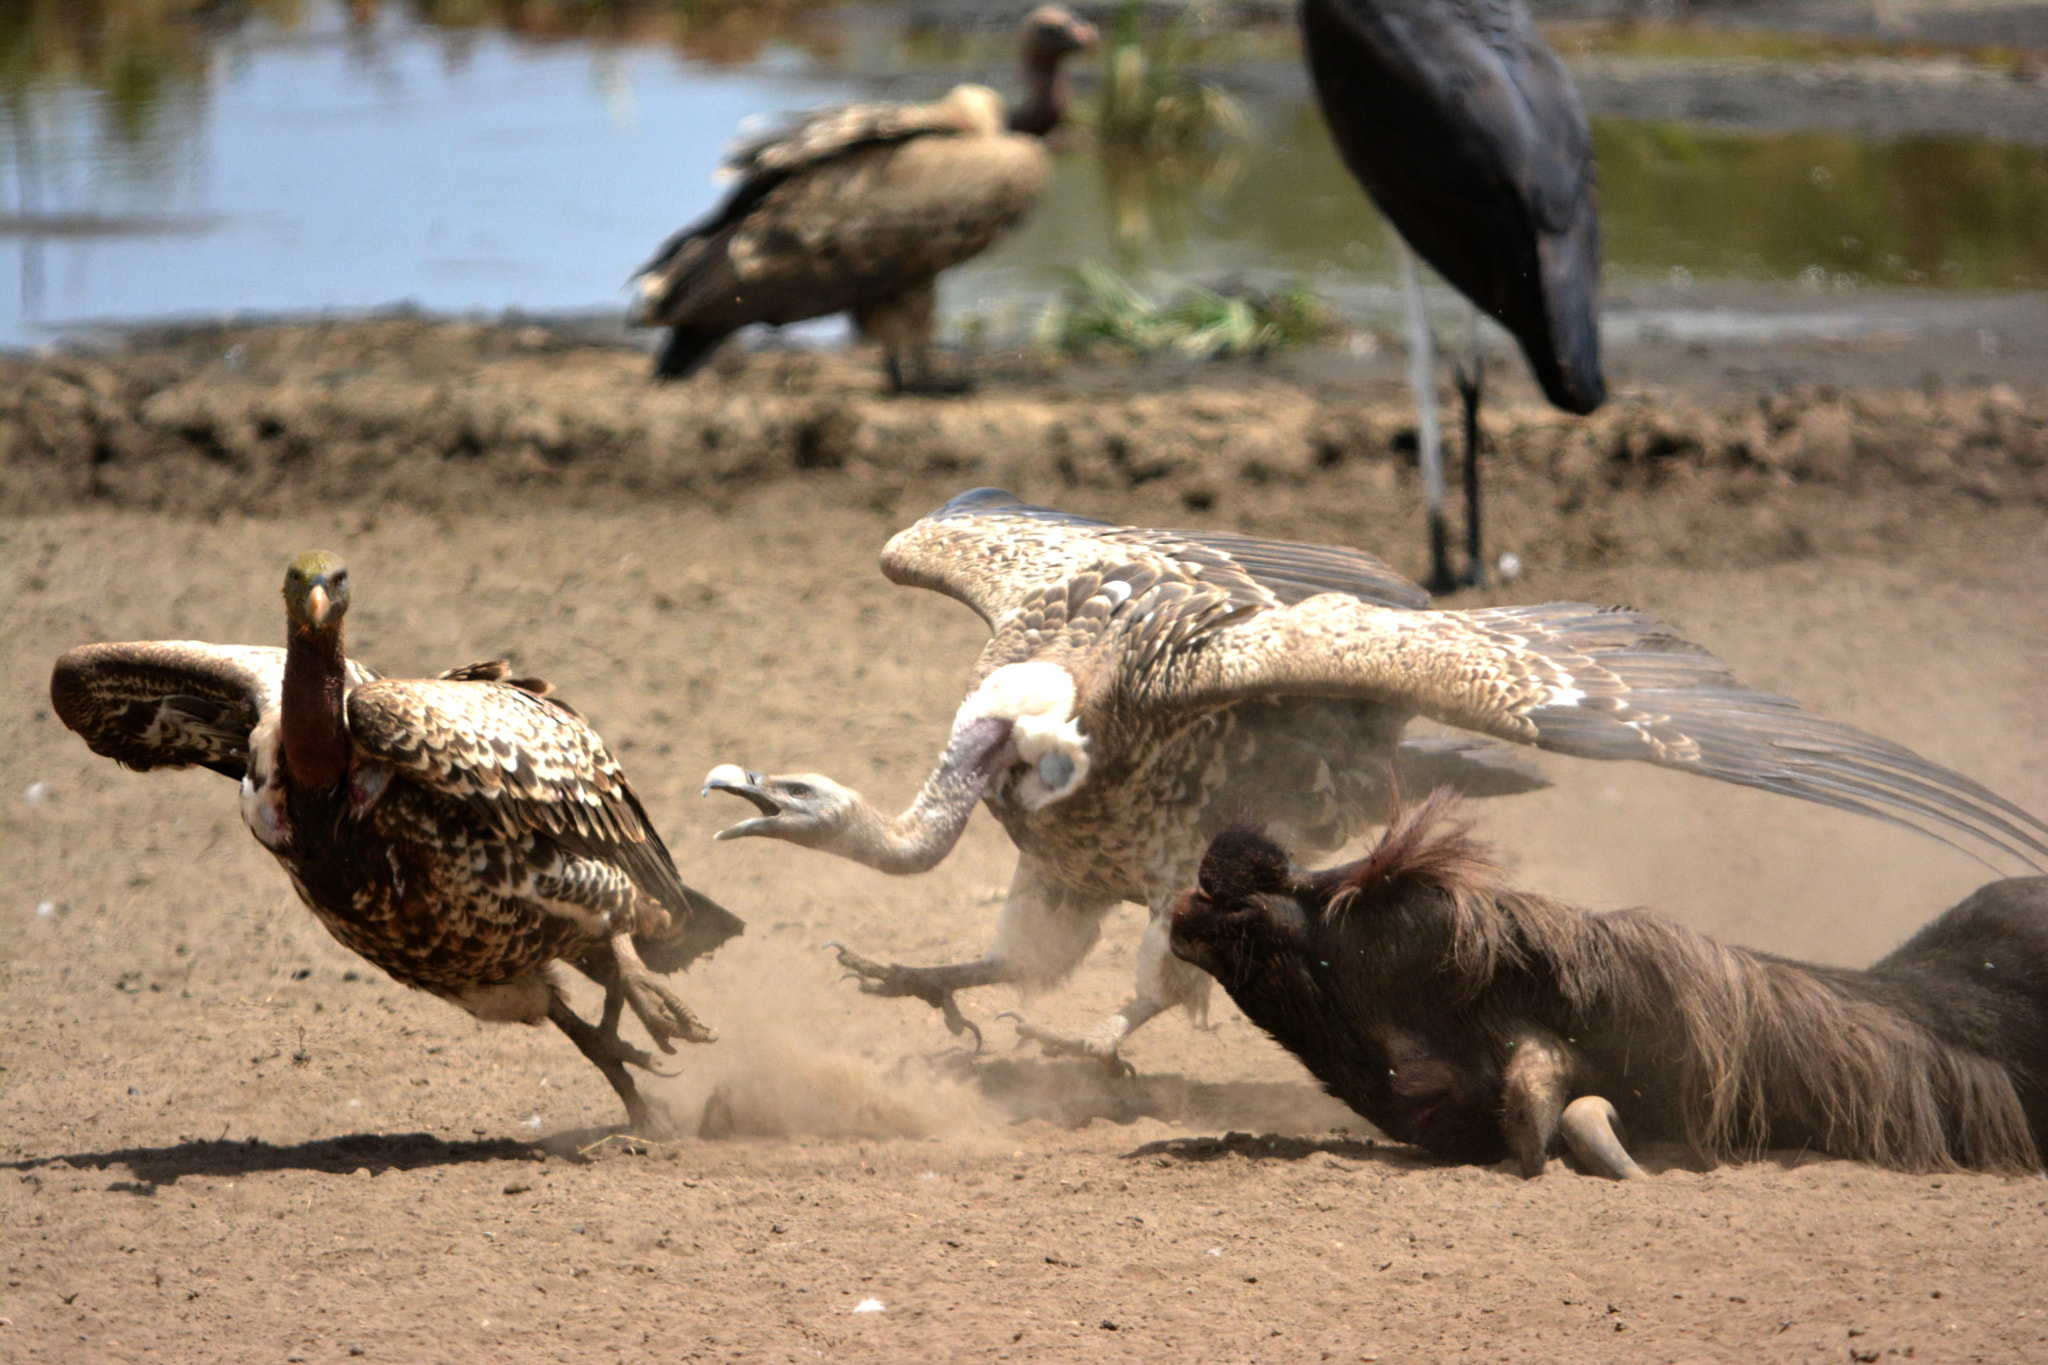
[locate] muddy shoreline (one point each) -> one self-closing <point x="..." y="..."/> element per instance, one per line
<point x="436" y="416"/>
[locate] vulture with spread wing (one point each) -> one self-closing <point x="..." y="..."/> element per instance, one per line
<point x="858" y="209"/>
<point x="461" y="832"/>
<point x="1145" y="688"/>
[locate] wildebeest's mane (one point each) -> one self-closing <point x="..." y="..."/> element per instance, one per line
<point x="1762" y="1047"/>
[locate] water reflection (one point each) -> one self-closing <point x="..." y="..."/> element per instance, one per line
<point x="1951" y="211"/>
<point x="165" y="158"/>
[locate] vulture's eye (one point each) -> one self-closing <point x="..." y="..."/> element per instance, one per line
<point x="796" y="789"/>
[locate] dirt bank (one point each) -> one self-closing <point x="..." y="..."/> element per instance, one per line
<point x="438" y="416"/>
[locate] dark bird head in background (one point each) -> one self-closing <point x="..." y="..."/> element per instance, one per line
<point x="1049" y="36"/>
<point x="316" y="592"/>
<point x="1052" y="32"/>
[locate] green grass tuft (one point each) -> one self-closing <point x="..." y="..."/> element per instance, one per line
<point x="1104" y="310"/>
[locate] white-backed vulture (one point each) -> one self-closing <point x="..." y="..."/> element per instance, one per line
<point x="1143" y="688"/>
<point x="858" y="209"/>
<point x="460" y="832"/>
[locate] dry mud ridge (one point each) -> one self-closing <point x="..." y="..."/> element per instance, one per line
<point x="224" y="1138"/>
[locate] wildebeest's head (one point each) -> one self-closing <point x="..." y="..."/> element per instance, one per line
<point x="1244" y="912"/>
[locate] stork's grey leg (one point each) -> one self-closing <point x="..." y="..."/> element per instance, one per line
<point x="1537" y="1078"/>
<point x="1470" y="376"/>
<point x="1590" y="1127"/>
<point x="1429" y="441"/>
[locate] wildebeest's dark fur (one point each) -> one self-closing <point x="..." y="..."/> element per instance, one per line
<point x="1461" y="1015"/>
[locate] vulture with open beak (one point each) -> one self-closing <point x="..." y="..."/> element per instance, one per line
<point x="1143" y="689"/>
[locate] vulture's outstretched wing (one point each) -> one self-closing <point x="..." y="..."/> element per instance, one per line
<point x="171" y="703"/>
<point x="524" y="762"/>
<point x="1587" y="681"/>
<point x="1002" y="557"/>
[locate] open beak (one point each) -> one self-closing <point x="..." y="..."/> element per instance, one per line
<point x="730" y="777"/>
<point x="318" y="604"/>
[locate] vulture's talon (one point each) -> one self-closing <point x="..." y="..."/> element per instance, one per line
<point x="1052" y="1044"/>
<point x="662" y="1013"/>
<point x="895" y="981"/>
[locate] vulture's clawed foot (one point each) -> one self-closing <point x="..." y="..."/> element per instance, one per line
<point x="611" y="1047"/>
<point x="920" y="378"/>
<point x="1053" y="1044"/>
<point x="662" y="1013"/>
<point x="933" y="985"/>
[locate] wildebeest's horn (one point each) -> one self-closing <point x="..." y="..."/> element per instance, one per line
<point x="1588" y="1125"/>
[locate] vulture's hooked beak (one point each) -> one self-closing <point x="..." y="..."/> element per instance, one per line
<point x="318" y="604"/>
<point x="730" y="777"/>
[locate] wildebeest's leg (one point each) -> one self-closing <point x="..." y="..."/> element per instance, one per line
<point x="1163" y="981"/>
<point x="1537" y="1079"/>
<point x="1589" y="1126"/>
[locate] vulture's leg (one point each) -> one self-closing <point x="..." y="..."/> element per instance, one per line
<point x="1163" y="981"/>
<point x="604" y="1054"/>
<point x="603" y="898"/>
<point x="1470" y="376"/>
<point x="1590" y="1127"/>
<point x="902" y="324"/>
<point x="1429" y="443"/>
<point x="598" y="967"/>
<point x="933" y="985"/>
<point x="1043" y="934"/>
<point x="659" y="1010"/>
<point x="1538" y="1077"/>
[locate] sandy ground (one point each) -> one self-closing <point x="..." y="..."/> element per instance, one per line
<point x="226" y="1138"/>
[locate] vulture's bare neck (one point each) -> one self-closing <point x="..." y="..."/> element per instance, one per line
<point x="920" y="838"/>
<point x="1045" y="97"/>
<point x="314" y="726"/>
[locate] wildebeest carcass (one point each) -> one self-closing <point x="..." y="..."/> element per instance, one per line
<point x="1480" y="1022"/>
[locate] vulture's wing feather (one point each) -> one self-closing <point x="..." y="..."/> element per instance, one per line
<point x="873" y="223"/>
<point x="1586" y="681"/>
<point x="998" y="555"/>
<point x="818" y="135"/>
<point x="171" y="703"/>
<point x="758" y="163"/>
<point x="524" y="762"/>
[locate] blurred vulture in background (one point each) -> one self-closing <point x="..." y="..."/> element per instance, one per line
<point x="857" y="209"/>
<point x="1463" y="126"/>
